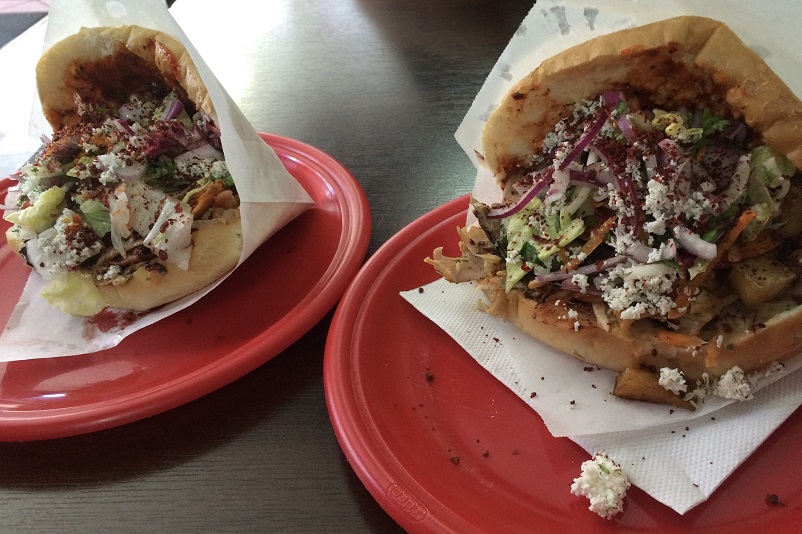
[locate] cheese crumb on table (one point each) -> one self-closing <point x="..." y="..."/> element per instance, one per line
<point x="605" y="485"/>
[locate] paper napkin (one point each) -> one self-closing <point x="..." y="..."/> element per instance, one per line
<point x="678" y="467"/>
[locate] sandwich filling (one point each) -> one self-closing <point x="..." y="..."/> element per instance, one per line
<point x="679" y="216"/>
<point x="121" y="189"/>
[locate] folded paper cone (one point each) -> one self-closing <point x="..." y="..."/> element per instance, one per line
<point x="269" y="196"/>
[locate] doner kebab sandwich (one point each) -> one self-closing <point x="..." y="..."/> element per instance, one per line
<point x="130" y="204"/>
<point x="652" y="212"/>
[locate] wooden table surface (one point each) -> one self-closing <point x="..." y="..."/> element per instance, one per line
<point x="380" y="85"/>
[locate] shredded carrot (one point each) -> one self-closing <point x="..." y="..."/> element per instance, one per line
<point x="729" y="240"/>
<point x="689" y="288"/>
<point x="676" y="339"/>
<point x="767" y="240"/>
<point x="596" y="239"/>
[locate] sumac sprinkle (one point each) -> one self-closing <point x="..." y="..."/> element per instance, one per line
<point x="455" y="460"/>
<point x="429" y="376"/>
<point x="773" y="500"/>
<point x="518" y="96"/>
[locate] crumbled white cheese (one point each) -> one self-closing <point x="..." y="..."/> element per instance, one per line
<point x="581" y="281"/>
<point x="113" y="272"/>
<point x="700" y="391"/>
<point x="672" y="380"/>
<point x="605" y="485"/>
<point x="637" y="297"/>
<point x="733" y="385"/>
<point x="774" y="368"/>
<point x="57" y="253"/>
<point x="111" y="164"/>
<point x="203" y="167"/>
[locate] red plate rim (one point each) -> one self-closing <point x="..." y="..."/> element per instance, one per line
<point x="406" y="469"/>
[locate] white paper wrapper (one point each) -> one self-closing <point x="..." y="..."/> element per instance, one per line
<point x="270" y="197"/>
<point x="678" y="457"/>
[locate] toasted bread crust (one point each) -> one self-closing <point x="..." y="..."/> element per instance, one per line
<point x="639" y="346"/>
<point x="65" y="70"/>
<point x="215" y="250"/>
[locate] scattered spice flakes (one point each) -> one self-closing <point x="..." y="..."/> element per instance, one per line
<point x="420" y="290"/>
<point x="516" y="452"/>
<point x="670" y="412"/>
<point x="588" y="369"/>
<point x="455" y="460"/>
<point x="485" y="453"/>
<point x="496" y="339"/>
<point x="772" y="499"/>
<point x="429" y="376"/>
<point x="571" y="403"/>
<point x="533" y="394"/>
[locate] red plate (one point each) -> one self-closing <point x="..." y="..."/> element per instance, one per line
<point x="274" y="298"/>
<point x="444" y="447"/>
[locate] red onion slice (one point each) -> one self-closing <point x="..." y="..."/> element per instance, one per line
<point x="173" y="110"/>
<point x="129" y="112"/>
<point x="509" y="210"/>
<point x="558" y="186"/>
<point x="694" y="244"/>
<point x="737" y="186"/>
<point x="204" y="151"/>
<point x="649" y="270"/>
<point x="625" y="124"/>
<point x="736" y="132"/>
<point x="123" y="126"/>
<point x="639" y="252"/>
<point x="592" y="268"/>
<point x="610" y="99"/>
<point x="130" y="173"/>
<point x="585" y="140"/>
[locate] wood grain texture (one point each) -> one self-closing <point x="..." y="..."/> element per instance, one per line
<point x="380" y="85"/>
